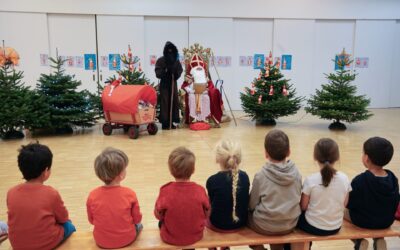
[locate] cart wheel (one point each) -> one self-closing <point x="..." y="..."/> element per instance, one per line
<point x="126" y="128"/>
<point x="152" y="128"/>
<point x="133" y="132"/>
<point x="107" y="129"/>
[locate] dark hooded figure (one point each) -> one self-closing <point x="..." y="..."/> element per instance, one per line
<point x="168" y="70"/>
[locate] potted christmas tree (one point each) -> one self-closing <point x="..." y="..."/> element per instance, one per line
<point x="17" y="103"/>
<point x="67" y="107"/>
<point x="270" y="96"/>
<point x="337" y="100"/>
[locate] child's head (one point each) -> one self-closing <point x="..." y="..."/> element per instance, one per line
<point x="110" y="164"/>
<point x="181" y="163"/>
<point x="229" y="156"/>
<point x="326" y="153"/>
<point x="34" y="160"/>
<point x="378" y="151"/>
<point x="276" y="145"/>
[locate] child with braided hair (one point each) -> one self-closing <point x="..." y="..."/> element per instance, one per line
<point x="228" y="190"/>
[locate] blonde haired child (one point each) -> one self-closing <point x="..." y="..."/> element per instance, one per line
<point x="182" y="206"/>
<point x="228" y="190"/>
<point x="112" y="209"/>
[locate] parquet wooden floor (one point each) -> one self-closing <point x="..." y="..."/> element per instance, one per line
<point x="73" y="174"/>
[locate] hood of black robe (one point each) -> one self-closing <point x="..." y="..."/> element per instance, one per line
<point x="170" y="53"/>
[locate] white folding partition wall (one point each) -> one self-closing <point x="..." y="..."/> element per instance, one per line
<point x="395" y="81"/>
<point x="312" y="43"/>
<point x="296" y="38"/>
<point x="114" y="34"/>
<point x="159" y="30"/>
<point x="331" y="37"/>
<point x="27" y="34"/>
<point x="217" y="34"/>
<point x="74" y="35"/>
<point x="375" y="40"/>
<point x="251" y="36"/>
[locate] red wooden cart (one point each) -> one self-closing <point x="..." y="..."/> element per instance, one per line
<point x="128" y="107"/>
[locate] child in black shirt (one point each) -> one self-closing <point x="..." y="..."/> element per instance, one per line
<point x="375" y="193"/>
<point x="228" y="190"/>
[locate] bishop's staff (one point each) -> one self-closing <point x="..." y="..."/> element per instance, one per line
<point x="222" y="88"/>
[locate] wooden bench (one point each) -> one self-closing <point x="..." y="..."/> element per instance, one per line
<point x="150" y="238"/>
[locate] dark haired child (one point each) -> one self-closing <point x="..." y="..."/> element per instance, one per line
<point x="325" y="194"/>
<point x="375" y="193"/>
<point x="276" y="191"/>
<point x="37" y="217"/>
<point x="228" y="190"/>
<point x="182" y="206"/>
<point x="112" y="209"/>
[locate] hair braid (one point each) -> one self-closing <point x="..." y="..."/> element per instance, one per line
<point x="235" y="179"/>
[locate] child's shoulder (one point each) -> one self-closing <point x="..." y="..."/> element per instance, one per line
<point x="24" y="187"/>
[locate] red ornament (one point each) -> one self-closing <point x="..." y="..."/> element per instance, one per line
<point x="131" y="67"/>
<point x="271" y="90"/>
<point x="252" y="91"/>
<point x="285" y="92"/>
<point x="140" y="67"/>
<point x="259" y="99"/>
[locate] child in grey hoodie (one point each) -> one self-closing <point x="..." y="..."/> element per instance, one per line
<point x="276" y="191"/>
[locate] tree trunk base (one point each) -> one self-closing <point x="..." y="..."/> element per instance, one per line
<point x="13" y="135"/>
<point x="337" y="126"/>
<point x="266" y="122"/>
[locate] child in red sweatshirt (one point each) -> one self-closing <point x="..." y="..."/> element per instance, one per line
<point x="37" y="217"/>
<point x="112" y="209"/>
<point x="182" y="206"/>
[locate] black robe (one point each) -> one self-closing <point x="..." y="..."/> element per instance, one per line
<point x="168" y="70"/>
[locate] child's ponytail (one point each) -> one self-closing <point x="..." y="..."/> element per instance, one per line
<point x="326" y="152"/>
<point x="228" y="154"/>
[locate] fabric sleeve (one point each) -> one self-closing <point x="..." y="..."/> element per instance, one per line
<point x="178" y="71"/>
<point x="135" y="211"/>
<point x="60" y="211"/>
<point x="255" y="194"/>
<point x="206" y="202"/>
<point x="307" y="186"/>
<point x="160" y="68"/>
<point x="209" y="189"/>
<point x="160" y="208"/>
<point x="354" y="193"/>
<point x="89" y="210"/>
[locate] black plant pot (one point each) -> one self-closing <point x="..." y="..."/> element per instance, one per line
<point x="266" y="122"/>
<point x="65" y="130"/>
<point x="14" y="134"/>
<point x="337" y="126"/>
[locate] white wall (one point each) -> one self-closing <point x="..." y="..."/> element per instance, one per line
<point x="376" y="40"/>
<point x="296" y="38"/>
<point x="395" y="81"/>
<point x="250" y="36"/>
<point x="114" y="33"/>
<point x="27" y="33"/>
<point x="74" y="35"/>
<point x="331" y="36"/>
<point x="300" y="9"/>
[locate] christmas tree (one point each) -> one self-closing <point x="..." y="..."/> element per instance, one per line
<point x="270" y="96"/>
<point x="131" y="74"/>
<point x="337" y="100"/>
<point x="67" y="107"/>
<point x="17" y="103"/>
